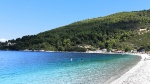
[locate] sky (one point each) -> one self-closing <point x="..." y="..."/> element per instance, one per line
<point x="29" y="17"/>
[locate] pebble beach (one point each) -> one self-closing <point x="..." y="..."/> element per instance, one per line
<point x="139" y="74"/>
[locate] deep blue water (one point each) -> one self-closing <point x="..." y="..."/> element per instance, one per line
<point x="18" y="67"/>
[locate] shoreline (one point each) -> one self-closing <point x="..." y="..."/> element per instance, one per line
<point x="124" y="77"/>
<point x="130" y="77"/>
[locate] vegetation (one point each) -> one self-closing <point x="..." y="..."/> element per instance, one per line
<point x="116" y="31"/>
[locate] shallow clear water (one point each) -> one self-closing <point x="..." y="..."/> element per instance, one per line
<point x="61" y="68"/>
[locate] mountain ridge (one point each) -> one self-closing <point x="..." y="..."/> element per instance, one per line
<point x="114" y="31"/>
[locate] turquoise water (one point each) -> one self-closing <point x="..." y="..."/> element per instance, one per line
<point x="61" y="68"/>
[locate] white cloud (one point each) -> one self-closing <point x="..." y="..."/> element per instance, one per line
<point x="3" y="40"/>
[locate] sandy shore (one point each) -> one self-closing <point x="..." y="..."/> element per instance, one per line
<point x="139" y="74"/>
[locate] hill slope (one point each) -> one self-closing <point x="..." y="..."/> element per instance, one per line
<point x="120" y="31"/>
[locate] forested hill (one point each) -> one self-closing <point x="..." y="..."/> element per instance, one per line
<point x="124" y="30"/>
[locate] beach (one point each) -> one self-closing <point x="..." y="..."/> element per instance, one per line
<point x="139" y="74"/>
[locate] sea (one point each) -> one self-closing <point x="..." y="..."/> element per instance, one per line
<point x="19" y="67"/>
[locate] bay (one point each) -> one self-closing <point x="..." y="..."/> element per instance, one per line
<point x="17" y="67"/>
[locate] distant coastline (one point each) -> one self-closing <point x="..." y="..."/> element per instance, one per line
<point x="100" y="52"/>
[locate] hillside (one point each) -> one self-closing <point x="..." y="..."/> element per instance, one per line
<point x="124" y="30"/>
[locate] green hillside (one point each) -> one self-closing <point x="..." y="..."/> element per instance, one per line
<point x="124" y="30"/>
